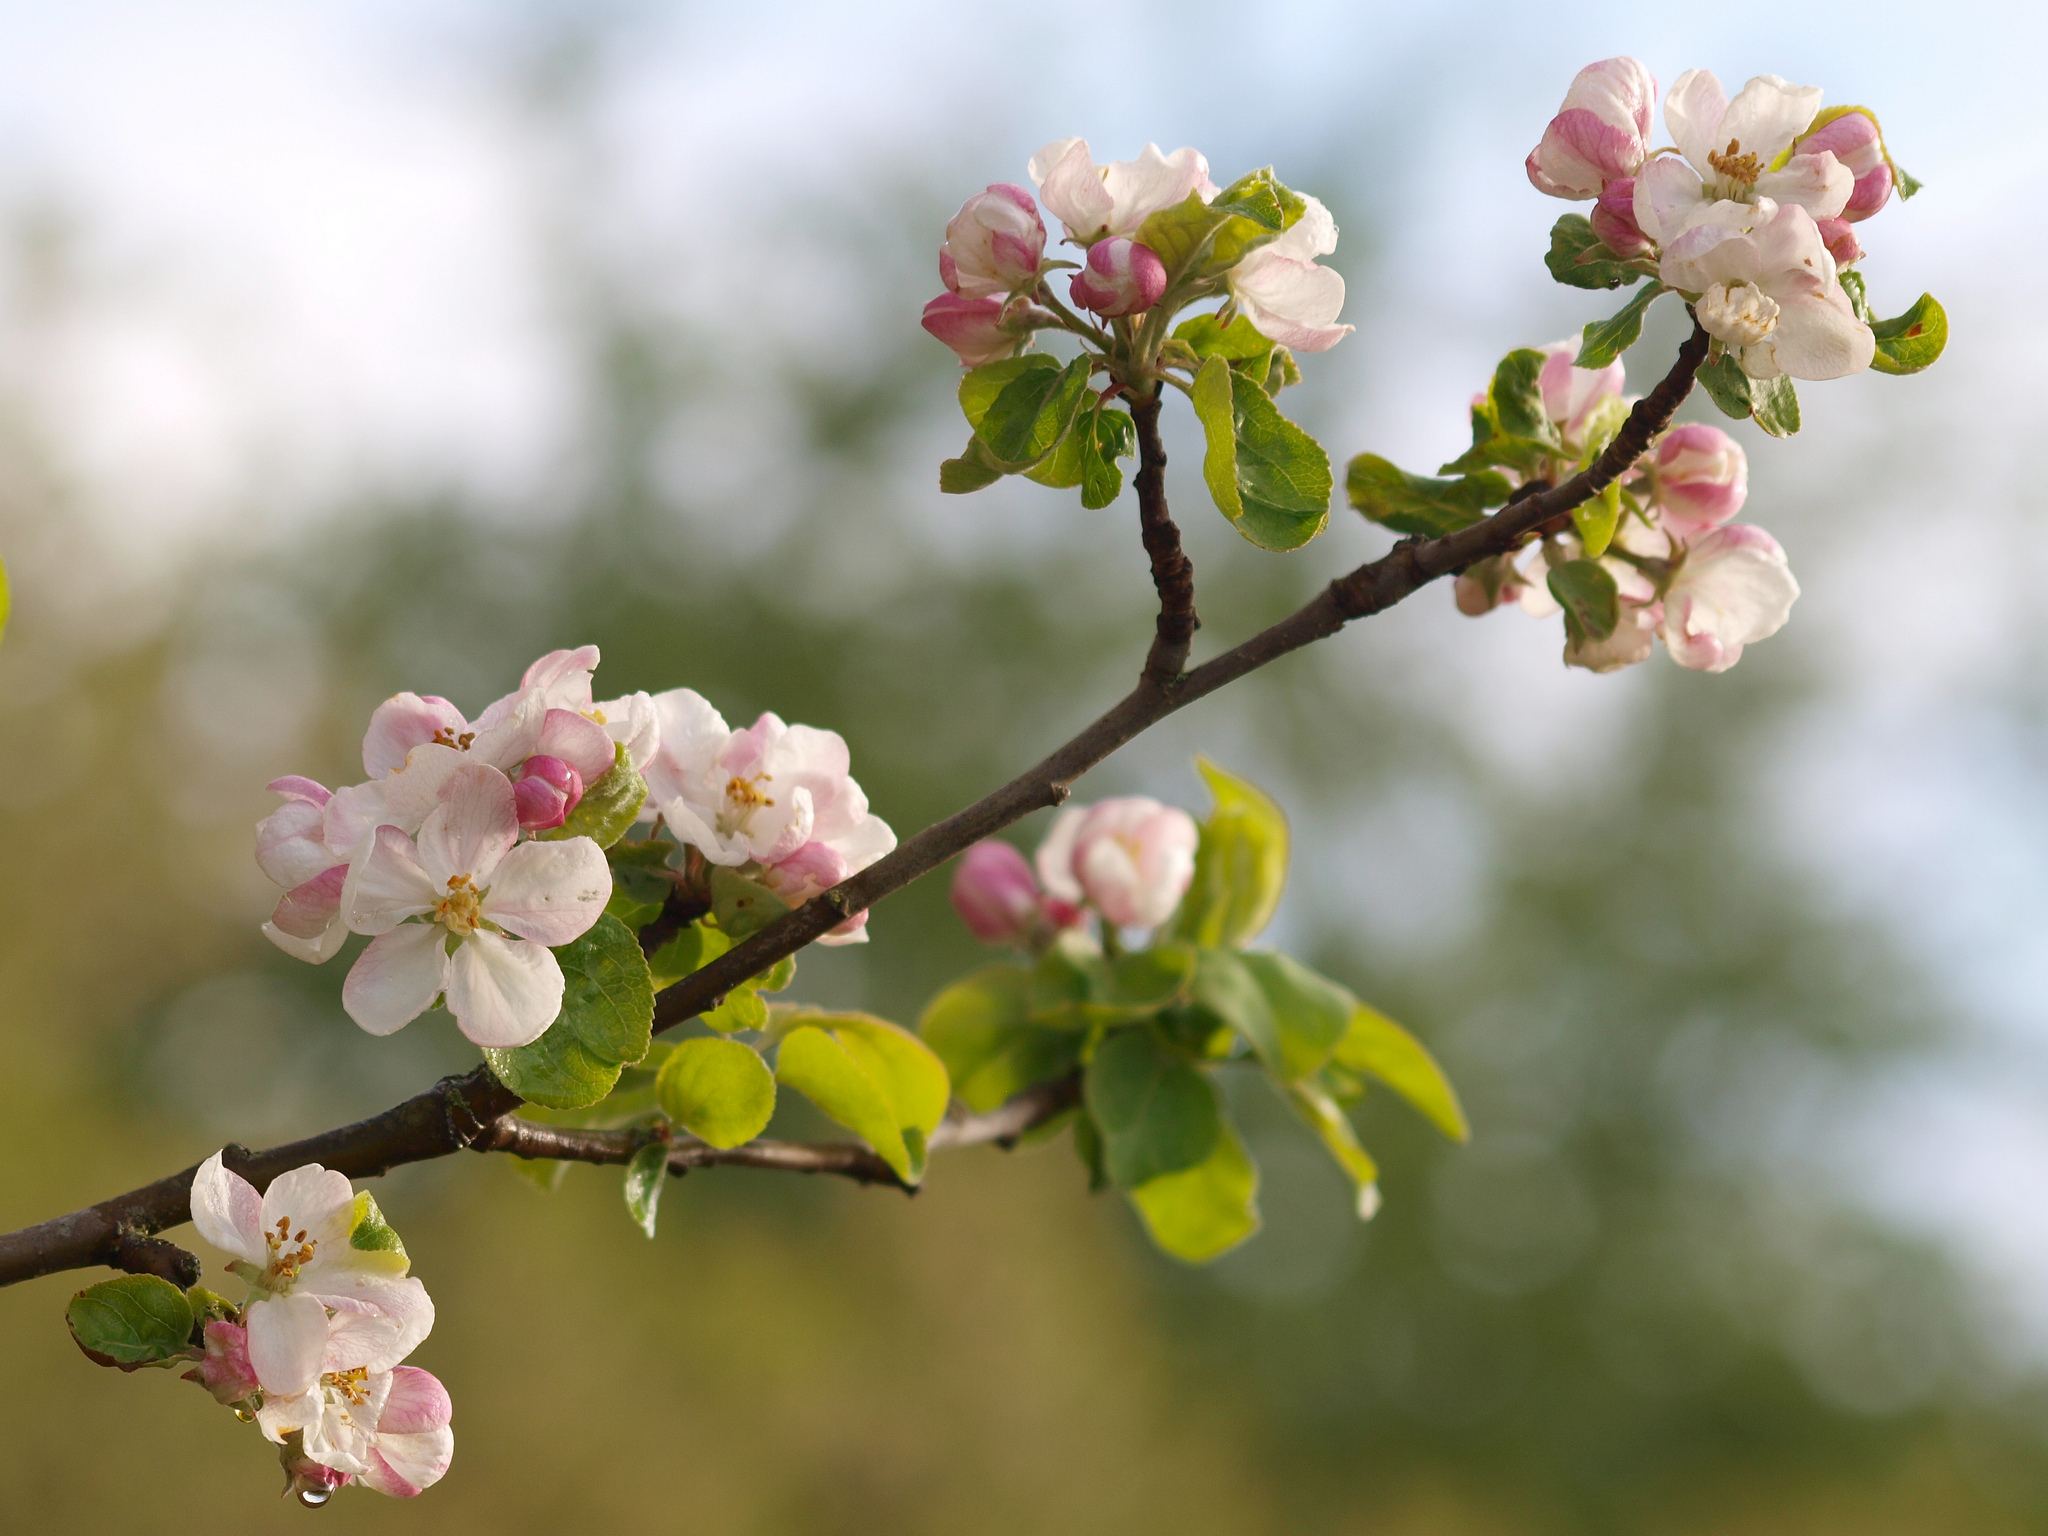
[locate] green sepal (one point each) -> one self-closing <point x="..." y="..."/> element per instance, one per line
<point x="1415" y="504"/>
<point x="720" y="1091"/>
<point x="646" y="1176"/>
<point x="1605" y="340"/>
<point x="1240" y="864"/>
<point x="131" y="1322"/>
<point x="1267" y="476"/>
<point x="1596" y="519"/>
<point x="1579" y="257"/>
<point x="608" y="808"/>
<point x="1158" y="1113"/>
<point x="1203" y="1212"/>
<point x="1375" y="1044"/>
<point x="1592" y="604"/>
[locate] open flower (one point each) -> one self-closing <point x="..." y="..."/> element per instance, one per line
<point x="1130" y="857"/>
<point x="1699" y="478"/>
<point x="293" y="849"/>
<point x="1093" y="200"/>
<point x="414" y="744"/>
<point x="388" y="1430"/>
<point x="1734" y="588"/>
<point x="1600" y="134"/>
<point x="471" y="912"/>
<point x="1286" y="296"/>
<point x="1730" y="148"/>
<point x="993" y="244"/>
<point x="1768" y="289"/>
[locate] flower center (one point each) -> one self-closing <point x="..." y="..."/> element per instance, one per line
<point x="742" y="798"/>
<point x="1734" y="165"/>
<point x="353" y="1387"/>
<point x="446" y="737"/>
<point x="286" y="1259"/>
<point x="461" y="910"/>
<point x="1741" y="316"/>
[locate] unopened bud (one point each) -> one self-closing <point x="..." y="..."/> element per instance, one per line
<point x="225" y="1370"/>
<point x="547" y="791"/>
<point x="1853" y="139"/>
<point x="1122" y="278"/>
<point x="1614" y="220"/>
<point x="1839" y="236"/>
<point x="971" y="327"/>
<point x="995" y="893"/>
<point x="1701" y="476"/>
<point x="993" y="244"/>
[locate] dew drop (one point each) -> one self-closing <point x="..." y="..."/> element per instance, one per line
<point x="313" y="1498"/>
<point x="245" y="1416"/>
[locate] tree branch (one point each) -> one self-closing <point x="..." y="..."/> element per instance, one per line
<point x="1173" y="574"/>
<point x="461" y="1112"/>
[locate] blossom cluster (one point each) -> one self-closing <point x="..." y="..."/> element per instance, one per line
<point x="461" y="856"/>
<point x="313" y="1356"/>
<point x="1683" y="570"/>
<point x="1129" y="859"/>
<point x="993" y="263"/>
<point x="1753" y="215"/>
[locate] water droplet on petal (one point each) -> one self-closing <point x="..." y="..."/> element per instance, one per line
<point x="245" y="1416"/>
<point x="313" y="1498"/>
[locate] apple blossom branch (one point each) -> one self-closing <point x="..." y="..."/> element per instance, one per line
<point x="1173" y="574"/>
<point x="471" y="1111"/>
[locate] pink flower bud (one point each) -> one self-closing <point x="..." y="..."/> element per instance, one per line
<point x="1122" y="278"/>
<point x="971" y="327"/>
<point x="995" y="893"/>
<point x="1601" y="133"/>
<point x="547" y="791"/>
<point x="1701" y="476"/>
<point x="1839" y="236"/>
<point x="1853" y="139"/>
<point x="993" y="244"/>
<point x="1131" y="858"/>
<point x="1571" y="393"/>
<point x="225" y="1371"/>
<point x="1614" y="219"/>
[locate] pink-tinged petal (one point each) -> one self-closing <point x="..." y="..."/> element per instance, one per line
<point x="348" y="1284"/>
<point x="403" y="1466"/>
<point x="1819" y="338"/>
<point x="297" y="787"/>
<point x="1820" y="184"/>
<point x="316" y="951"/>
<point x="508" y="738"/>
<point x="417" y="1405"/>
<point x="550" y="892"/>
<point x="356" y="812"/>
<point x="287" y="1340"/>
<point x="1667" y="194"/>
<point x="1070" y="185"/>
<point x="410" y="795"/>
<point x="1614" y="220"/>
<point x="563" y="677"/>
<point x="387" y="885"/>
<point x="228" y="1211"/>
<point x="995" y="892"/>
<point x="503" y="992"/>
<point x="473" y="827"/>
<point x="993" y="244"/>
<point x="1055" y="857"/>
<point x="545" y="792"/>
<point x="307" y="911"/>
<point x="853" y="931"/>
<point x="1873" y="188"/>
<point x="971" y="327"/>
<point x="1570" y="392"/>
<point x="691" y="737"/>
<point x="405" y="721"/>
<point x="813" y="868"/>
<point x="291" y="845"/>
<point x="1142" y="187"/>
<point x="1294" y="303"/>
<point x="397" y="977"/>
<point x="225" y="1370"/>
<point x="1693" y="112"/>
<point x="1580" y="154"/>
<point x="1702" y="478"/>
<point x="578" y="741"/>
<point x="359" y="1337"/>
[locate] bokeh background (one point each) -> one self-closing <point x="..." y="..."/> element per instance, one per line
<point x="346" y="349"/>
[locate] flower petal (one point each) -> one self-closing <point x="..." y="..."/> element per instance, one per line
<point x="1767" y="114"/>
<point x="394" y="980"/>
<point x="386" y="886"/>
<point x="1693" y="112"/>
<point x="1055" y="857"/>
<point x="228" y="1211"/>
<point x="317" y="951"/>
<point x="503" y="992"/>
<point x="359" y="1337"/>
<point x="307" y="911"/>
<point x="402" y="722"/>
<point x="314" y="1200"/>
<point x="287" y="1341"/>
<point x="473" y="827"/>
<point x="1070" y="185"/>
<point x="578" y="741"/>
<point x="550" y="892"/>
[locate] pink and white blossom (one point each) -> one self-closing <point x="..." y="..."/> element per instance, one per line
<point x="1093" y="200"/>
<point x="1571" y="394"/>
<point x="1614" y="220"/>
<point x="1285" y="294"/>
<point x="994" y="244"/>
<point x="293" y="848"/>
<point x="224" y="1368"/>
<point x="999" y="899"/>
<point x="1733" y="588"/>
<point x="409" y="763"/>
<point x="1600" y="134"/>
<point x="1131" y="858"/>
<point x="1120" y="277"/>
<point x="1699" y="478"/>
<point x="973" y="328"/>
<point x="388" y="1430"/>
<point x="1852" y="137"/>
<point x="470" y="912"/>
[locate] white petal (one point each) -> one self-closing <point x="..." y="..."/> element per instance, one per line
<point x="504" y="992"/>
<point x="314" y="1200"/>
<point x="509" y="730"/>
<point x="578" y="741"/>
<point x="279" y="1416"/>
<point x="287" y="1340"/>
<point x="473" y="827"/>
<point x="1073" y="192"/>
<point x="1055" y="856"/>
<point x="291" y="843"/>
<point x="386" y="886"/>
<point x="632" y="720"/>
<point x="1766" y="115"/>
<point x="1817" y="338"/>
<point x="355" y="812"/>
<point x="402" y="722"/>
<point x="697" y="829"/>
<point x="550" y="892"/>
<point x="228" y="1211"/>
<point x="1313" y="234"/>
<point x="313" y="951"/>
<point x="1142" y="187"/>
<point x="394" y="980"/>
<point x="1693" y="112"/>
<point x="1820" y="184"/>
<point x="870" y="840"/>
<point x="1666" y="197"/>
<point x="359" y="1337"/>
<point x="1292" y="302"/>
<point x="402" y="1465"/>
<point x="415" y="789"/>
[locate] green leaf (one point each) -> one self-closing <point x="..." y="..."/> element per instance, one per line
<point x="1196" y="241"/>
<point x="1596" y="519"/>
<point x="1207" y="1210"/>
<point x="1240" y="865"/>
<point x="1158" y="1113"/>
<point x="1237" y="342"/>
<point x="606" y="1022"/>
<point x="1033" y="412"/>
<point x="972" y="471"/>
<point x="1913" y="340"/>
<point x="1726" y="385"/>
<point x="718" y="1090"/>
<point x="555" y="1072"/>
<point x="686" y="954"/>
<point x="1375" y="1044"/>
<point x="1579" y="257"/>
<point x="1270" y="478"/>
<point x="1227" y="995"/>
<point x="979" y="387"/>
<point x="880" y="1082"/>
<point x="1329" y="1122"/>
<point x="743" y="1008"/>
<point x="778" y="976"/>
<point x="1775" y="405"/>
<point x="646" y="1175"/>
<point x="608" y="808"/>
<point x="1514" y="399"/>
<point x="1906" y="184"/>
<point x="1602" y="425"/>
<point x="1592" y="606"/>
<point x="131" y="1322"/>
<point x="369" y="1232"/>
<point x="1073" y="987"/>
<point x="1605" y="340"/>
<point x="543" y="1173"/>
<point x="1113" y="437"/>
<point x="1310" y="1013"/>
<point x="819" y="1067"/>
<point x="1415" y="504"/>
<point x="638" y="895"/>
<point x="981" y="1028"/>
<point x="1088" y="1147"/>
<point x="1531" y="456"/>
<point x="740" y="906"/>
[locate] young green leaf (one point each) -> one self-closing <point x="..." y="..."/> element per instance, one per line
<point x="1375" y="1044"/>
<point x="1726" y="385"/>
<point x="1605" y="340"/>
<point x="1240" y="865"/>
<point x="980" y="386"/>
<point x="1310" y="1013"/>
<point x="555" y="1072"/>
<point x="1158" y="1113"/>
<point x="720" y="1091"/>
<point x="1912" y="341"/>
<point x="1579" y="257"/>
<point x="1596" y="519"/>
<point x="1034" y="411"/>
<point x="638" y="895"/>
<point x="981" y="1030"/>
<point x="880" y="1082"/>
<point x="972" y="471"/>
<point x="369" y="1232"/>
<point x="646" y="1175"/>
<point x="743" y="1008"/>
<point x="740" y="906"/>
<point x="818" y="1066"/>
<point x="606" y="1022"/>
<point x="1515" y="400"/>
<point x="1775" y="405"/>
<point x="686" y="954"/>
<point x="1203" y="1212"/>
<point x="1415" y="504"/>
<point x="1267" y="476"/>
<point x="1592" y="605"/>
<point x="608" y="808"/>
<point x="131" y="1322"/>
<point x="1238" y="342"/>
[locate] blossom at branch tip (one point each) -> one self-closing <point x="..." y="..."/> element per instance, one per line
<point x="388" y="1430"/>
<point x="1572" y="394"/>
<point x="471" y="912"/>
<point x="1698" y="478"/>
<point x="1852" y="138"/>
<point x="1733" y="588"/>
<point x="1121" y="277"/>
<point x="1769" y="290"/>
<point x="1131" y="858"/>
<point x="1600" y="134"/>
<point x="1729" y="149"/>
<point x="973" y="328"/>
<point x="994" y="244"/>
<point x="1287" y="297"/>
<point x="1092" y="200"/>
